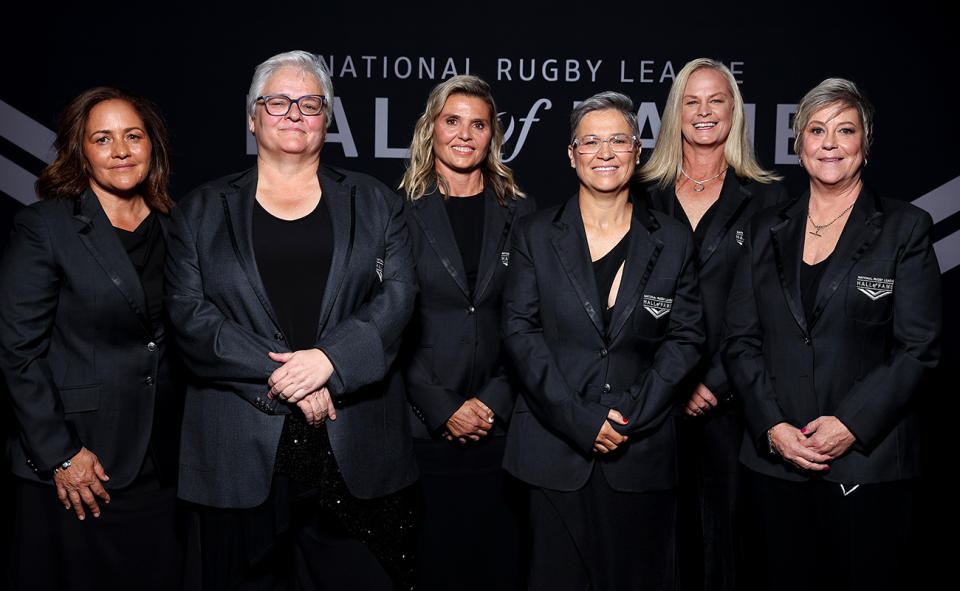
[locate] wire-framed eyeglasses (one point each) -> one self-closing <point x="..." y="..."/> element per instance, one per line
<point x="591" y="144"/>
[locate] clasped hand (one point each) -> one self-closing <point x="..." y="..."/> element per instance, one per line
<point x="80" y="484"/>
<point x="813" y="446"/>
<point x="473" y="420"/>
<point x="301" y="380"/>
<point x="608" y="439"/>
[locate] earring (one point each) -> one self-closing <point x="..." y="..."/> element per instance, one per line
<point x="801" y="161"/>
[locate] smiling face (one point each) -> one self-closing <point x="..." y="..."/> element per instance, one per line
<point x="117" y="148"/>
<point x="606" y="171"/>
<point x="292" y="133"/>
<point x="832" y="151"/>
<point x="707" y="108"/>
<point x="461" y="135"/>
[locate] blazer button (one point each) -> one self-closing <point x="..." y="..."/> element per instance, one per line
<point x="606" y="389"/>
<point x="806" y="340"/>
<point x="151" y="346"/>
<point x="471" y="310"/>
<point x="277" y="336"/>
<point x="603" y="352"/>
<point x="148" y="380"/>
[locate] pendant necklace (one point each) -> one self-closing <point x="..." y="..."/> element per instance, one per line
<point x="822" y="226"/>
<point x="698" y="185"/>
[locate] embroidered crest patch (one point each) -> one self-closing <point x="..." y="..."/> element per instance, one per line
<point x="874" y="287"/>
<point x="380" y="269"/>
<point x="656" y="305"/>
<point x="505" y="259"/>
<point x="739" y="237"/>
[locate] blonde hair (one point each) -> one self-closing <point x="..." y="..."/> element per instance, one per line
<point x="664" y="164"/>
<point x="421" y="175"/>
<point x="833" y="91"/>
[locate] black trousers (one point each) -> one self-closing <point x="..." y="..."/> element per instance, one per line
<point x="601" y="539"/>
<point x="469" y="536"/>
<point x="814" y="536"/>
<point x="709" y="526"/>
<point x="134" y="544"/>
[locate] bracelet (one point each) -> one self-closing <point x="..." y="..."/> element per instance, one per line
<point x="770" y="447"/>
<point x="63" y="466"/>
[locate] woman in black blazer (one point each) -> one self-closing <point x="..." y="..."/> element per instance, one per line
<point x="289" y="286"/>
<point x="83" y="356"/>
<point x="833" y="322"/>
<point x="602" y="322"/>
<point x="703" y="173"/>
<point x="463" y="206"/>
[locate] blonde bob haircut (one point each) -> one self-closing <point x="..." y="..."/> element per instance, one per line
<point x="421" y="175"/>
<point x="838" y="92"/>
<point x="664" y="164"/>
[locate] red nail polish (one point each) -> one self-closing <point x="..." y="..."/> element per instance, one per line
<point x="826" y="467"/>
<point x="804" y="430"/>
<point x="626" y="420"/>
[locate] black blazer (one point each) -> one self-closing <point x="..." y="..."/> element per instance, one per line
<point x="716" y="261"/>
<point x="874" y="334"/>
<point x="453" y="341"/>
<point x="226" y="325"/>
<point x="79" y="355"/>
<point x="573" y="370"/>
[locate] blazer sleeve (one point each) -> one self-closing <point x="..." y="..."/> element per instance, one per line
<point x="213" y="347"/>
<point x="743" y="353"/>
<point x="647" y="404"/>
<point x="545" y="390"/>
<point x="435" y="402"/>
<point x="28" y="306"/>
<point x="363" y="345"/>
<point x="873" y="406"/>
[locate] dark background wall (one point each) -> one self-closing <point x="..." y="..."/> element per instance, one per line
<point x="196" y="65"/>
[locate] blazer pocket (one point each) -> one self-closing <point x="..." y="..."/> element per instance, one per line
<point x="82" y="399"/>
<point x="870" y="290"/>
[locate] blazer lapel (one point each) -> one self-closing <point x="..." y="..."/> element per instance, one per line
<point x="570" y="244"/>
<point x="497" y="220"/>
<point x="641" y="259"/>
<point x="238" y="214"/>
<point x="787" y="238"/>
<point x="435" y="224"/>
<point x="730" y="205"/>
<point x="99" y="237"/>
<point x="861" y="229"/>
<point x="341" y="202"/>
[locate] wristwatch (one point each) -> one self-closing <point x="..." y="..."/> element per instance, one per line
<point x="63" y="466"/>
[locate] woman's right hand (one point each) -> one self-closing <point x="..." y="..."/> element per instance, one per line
<point x="792" y="445"/>
<point x="608" y="439"/>
<point x="317" y="407"/>
<point x="79" y="484"/>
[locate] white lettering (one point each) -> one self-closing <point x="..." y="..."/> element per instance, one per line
<point x="593" y="69"/>
<point x="426" y="68"/>
<point x="449" y="69"/>
<point x="784" y="145"/>
<point x="503" y="68"/>
<point x="380" y="143"/>
<point x="527" y="122"/>
<point x="647" y="113"/>
<point x="533" y="66"/>
<point x="348" y="67"/>
<point x="645" y="70"/>
<point x="342" y="136"/>
<point x="572" y="71"/>
<point x="550" y="72"/>
<point x="396" y="67"/>
<point x="369" y="59"/>
<point x="667" y="71"/>
<point x="735" y="70"/>
<point x="623" y="72"/>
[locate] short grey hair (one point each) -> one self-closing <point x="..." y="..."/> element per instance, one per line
<point x="833" y="91"/>
<point x="603" y="101"/>
<point x="305" y="62"/>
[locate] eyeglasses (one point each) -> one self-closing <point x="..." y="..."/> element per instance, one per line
<point x="591" y="144"/>
<point x="278" y="105"/>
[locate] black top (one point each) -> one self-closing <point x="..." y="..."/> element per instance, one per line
<point x="605" y="271"/>
<point x="147" y="250"/>
<point x="701" y="230"/>
<point x="293" y="257"/>
<point x="466" y="219"/>
<point x="810" y="276"/>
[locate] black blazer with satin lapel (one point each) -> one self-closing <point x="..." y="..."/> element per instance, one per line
<point x="874" y="334"/>
<point x="80" y="358"/>
<point x="453" y="341"/>
<point x="717" y="260"/>
<point x="572" y="370"/>
<point x="225" y="326"/>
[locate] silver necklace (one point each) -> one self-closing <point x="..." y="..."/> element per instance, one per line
<point x="698" y="185"/>
<point x="822" y="226"/>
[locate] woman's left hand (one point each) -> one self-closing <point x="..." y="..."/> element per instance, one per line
<point x="701" y="401"/>
<point x="302" y="373"/>
<point x="828" y="436"/>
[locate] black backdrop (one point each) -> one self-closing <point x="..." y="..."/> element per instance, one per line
<point x="196" y="65"/>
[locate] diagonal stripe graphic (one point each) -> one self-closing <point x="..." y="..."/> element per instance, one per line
<point x="942" y="202"/>
<point x="16" y="182"/>
<point x="26" y="133"/>
<point x="948" y="251"/>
